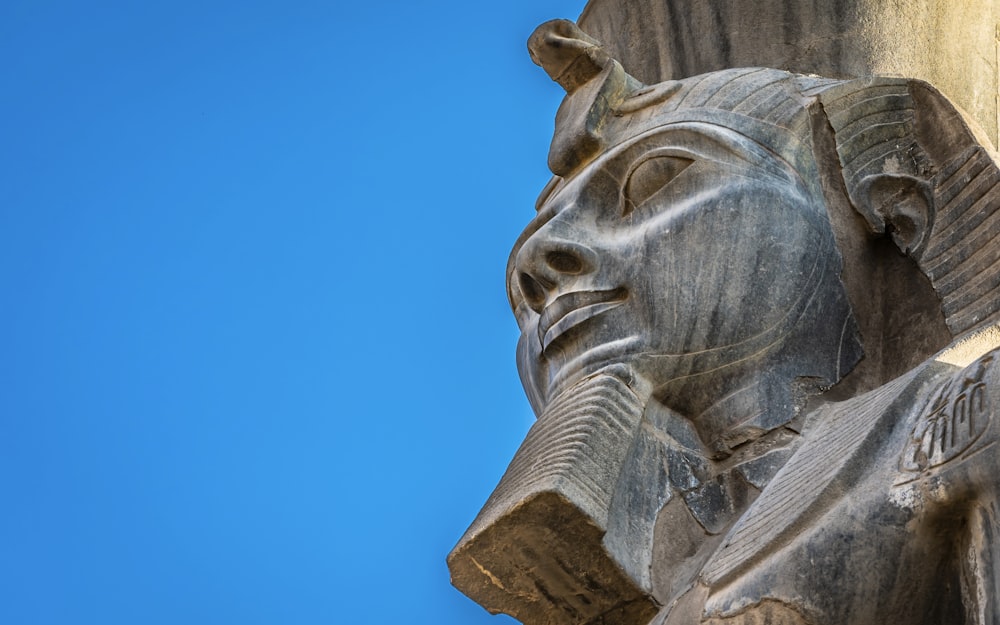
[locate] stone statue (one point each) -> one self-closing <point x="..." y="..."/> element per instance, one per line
<point x="759" y="312"/>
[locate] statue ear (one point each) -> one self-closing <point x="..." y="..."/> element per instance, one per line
<point x="899" y="205"/>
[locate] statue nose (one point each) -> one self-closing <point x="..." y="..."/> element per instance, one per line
<point x="545" y="264"/>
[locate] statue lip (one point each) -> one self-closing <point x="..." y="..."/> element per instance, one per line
<point x="571" y="309"/>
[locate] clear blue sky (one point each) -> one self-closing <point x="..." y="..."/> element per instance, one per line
<point x="256" y="360"/>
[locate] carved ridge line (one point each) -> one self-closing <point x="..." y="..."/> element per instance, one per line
<point x="963" y="317"/>
<point x="812" y="86"/>
<point x="559" y="470"/>
<point x="967" y="209"/>
<point x="598" y="412"/>
<point x="944" y="260"/>
<point x="755" y="97"/>
<point x="562" y="470"/>
<point x="535" y="454"/>
<point x="880" y="137"/>
<point x="843" y="116"/>
<point x="859" y="125"/>
<point x="968" y="319"/>
<point x="591" y="397"/>
<point x="597" y="399"/>
<point x="813" y="470"/>
<point x="755" y="88"/>
<point x="593" y="402"/>
<point x="975" y="290"/>
<point x="759" y="101"/>
<point x="732" y="84"/>
<point x="613" y="412"/>
<point x="968" y="255"/>
<point x="694" y="91"/>
<point x="965" y="247"/>
<point x="953" y="179"/>
<point x="858" y="94"/>
<point x="563" y="446"/>
<point x="542" y="442"/>
<point x="779" y="502"/>
<point x="874" y="160"/>
<point x="789" y="115"/>
<point x="568" y="443"/>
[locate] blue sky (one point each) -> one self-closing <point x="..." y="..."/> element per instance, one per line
<point x="256" y="360"/>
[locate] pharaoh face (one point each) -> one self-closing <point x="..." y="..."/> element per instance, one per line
<point x="689" y="252"/>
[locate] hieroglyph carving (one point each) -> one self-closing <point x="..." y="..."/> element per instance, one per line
<point x="954" y="419"/>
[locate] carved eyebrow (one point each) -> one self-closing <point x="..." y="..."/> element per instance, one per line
<point x="706" y="140"/>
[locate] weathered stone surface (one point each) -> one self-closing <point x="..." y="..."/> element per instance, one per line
<point x="760" y="314"/>
<point x="952" y="45"/>
<point x="535" y="550"/>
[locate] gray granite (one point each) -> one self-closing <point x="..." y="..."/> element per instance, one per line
<point x="758" y="316"/>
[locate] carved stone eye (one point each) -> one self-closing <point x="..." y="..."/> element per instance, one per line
<point x="650" y="176"/>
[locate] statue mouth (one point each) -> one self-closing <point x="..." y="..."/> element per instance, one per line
<point x="572" y="309"/>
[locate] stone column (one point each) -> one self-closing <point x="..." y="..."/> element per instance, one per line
<point x="951" y="44"/>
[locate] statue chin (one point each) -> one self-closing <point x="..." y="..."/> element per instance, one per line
<point x="542" y="530"/>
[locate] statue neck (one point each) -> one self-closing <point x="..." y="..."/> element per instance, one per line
<point x="735" y="413"/>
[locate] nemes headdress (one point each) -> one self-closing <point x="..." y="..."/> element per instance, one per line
<point x="911" y="163"/>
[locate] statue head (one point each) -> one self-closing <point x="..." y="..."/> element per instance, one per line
<point x="687" y="239"/>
